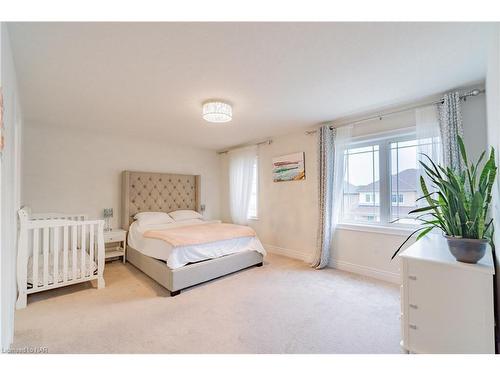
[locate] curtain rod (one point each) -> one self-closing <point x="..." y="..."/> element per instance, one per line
<point x="474" y="92"/>
<point x="266" y="142"/>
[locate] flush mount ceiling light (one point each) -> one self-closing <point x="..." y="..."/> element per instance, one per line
<point x="217" y="111"/>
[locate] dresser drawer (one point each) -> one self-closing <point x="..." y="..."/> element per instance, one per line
<point x="419" y="279"/>
<point x="447" y="305"/>
<point x="114" y="237"/>
<point x="444" y="310"/>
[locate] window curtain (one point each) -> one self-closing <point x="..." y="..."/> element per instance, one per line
<point x="332" y="144"/>
<point x="428" y="143"/>
<point x="450" y="122"/>
<point x="241" y="170"/>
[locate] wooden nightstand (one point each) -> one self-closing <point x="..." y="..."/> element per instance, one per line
<point x="118" y="236"/>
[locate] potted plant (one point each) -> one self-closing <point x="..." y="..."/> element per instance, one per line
<point x="459" y="205"/>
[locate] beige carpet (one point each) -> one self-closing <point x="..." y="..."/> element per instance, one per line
<point x="283" y="307"/>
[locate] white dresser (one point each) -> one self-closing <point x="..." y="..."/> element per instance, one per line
<point x="446" y="306"/>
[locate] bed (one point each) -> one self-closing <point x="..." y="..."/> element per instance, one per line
<point x="172" y="267"/>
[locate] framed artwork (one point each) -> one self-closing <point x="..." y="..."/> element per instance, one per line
<point x="289" y="167"/>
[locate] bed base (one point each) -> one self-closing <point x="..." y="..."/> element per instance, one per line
<point x="193" y="274"/>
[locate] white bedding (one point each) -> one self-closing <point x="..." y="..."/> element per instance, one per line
<point x="180" y="256"/>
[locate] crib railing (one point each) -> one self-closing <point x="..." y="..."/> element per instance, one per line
<point x="58" y="252"/>
<point x="57" y="216"/>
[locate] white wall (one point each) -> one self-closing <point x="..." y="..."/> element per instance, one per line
<point x="69" y="170"/>
<point x="288" y="211"/>
<point x="10" y="188"/>
<point x="493" y="133"/>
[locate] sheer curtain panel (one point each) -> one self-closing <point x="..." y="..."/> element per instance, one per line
<point x="241" y="170"/>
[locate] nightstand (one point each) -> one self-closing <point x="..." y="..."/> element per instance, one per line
<point x="118" y="237"/>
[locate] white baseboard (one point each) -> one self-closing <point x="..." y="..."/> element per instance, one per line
<point x="392" y="277"/>
<point x="359" y="269"/>
<point x="295" y="254"/>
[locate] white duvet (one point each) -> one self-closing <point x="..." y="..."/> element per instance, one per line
<point x="180" y="256"/>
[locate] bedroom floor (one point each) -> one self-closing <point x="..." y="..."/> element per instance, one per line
<point x="283" y="307"/>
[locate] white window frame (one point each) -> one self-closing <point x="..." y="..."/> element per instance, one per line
<point x="383" y="140"/>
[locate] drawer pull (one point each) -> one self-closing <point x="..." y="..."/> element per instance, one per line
<point x="413" y="306"/>
<point x="412" y="326"/>
<point x="412" y="277"/>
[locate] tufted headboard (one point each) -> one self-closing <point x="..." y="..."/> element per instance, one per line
<point x="163" y="192"/>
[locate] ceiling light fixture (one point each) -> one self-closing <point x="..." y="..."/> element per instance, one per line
<point x="217" y="111"/>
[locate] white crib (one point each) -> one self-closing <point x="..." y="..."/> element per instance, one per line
<point x="56" y="250"/>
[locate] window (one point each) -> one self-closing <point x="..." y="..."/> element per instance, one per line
<point x="404" y="177"/>
<point x="361" y="193"/>
<point x="397" y="198"/>
<point x="380" y="183"/>
<point x="252" y="207"/>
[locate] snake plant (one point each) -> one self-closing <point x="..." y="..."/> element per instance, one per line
<point x="459" y="201"/>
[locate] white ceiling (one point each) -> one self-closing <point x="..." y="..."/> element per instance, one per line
<point x="149" y="79"/>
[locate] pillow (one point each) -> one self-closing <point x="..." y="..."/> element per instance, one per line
<point x="180" y="215"/>
<point x="149" y="218"/>
<point x="145" y="227"/>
